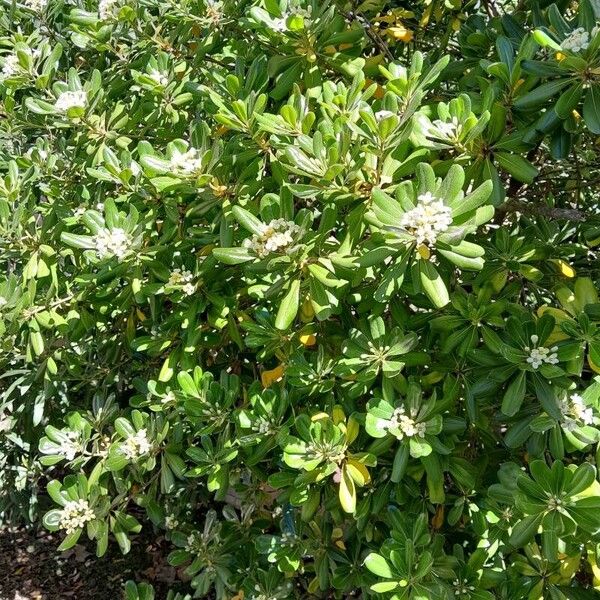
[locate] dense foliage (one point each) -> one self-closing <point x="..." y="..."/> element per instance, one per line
<point x="308" y="287"/>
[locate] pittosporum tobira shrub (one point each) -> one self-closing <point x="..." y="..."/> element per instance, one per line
<point x="309" y="288"/>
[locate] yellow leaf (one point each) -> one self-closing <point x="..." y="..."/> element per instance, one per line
<point x="564" y="268"/>
<point x="140" y="315"/>
<point x="347" y="492"/>
<point x="424" y="251"/>
<point x="379" y="92"/>
<point x="308" y="339"/>
<point x="358" y="472"/>
<point x="268" y="378"/>
<point x="319" y="416"/>
<point x="345" y="47"/>
<point x="330" y="50"/>
<point x="400" y="33"/>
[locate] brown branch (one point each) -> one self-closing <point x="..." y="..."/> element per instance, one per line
<point x="542" y="210"/>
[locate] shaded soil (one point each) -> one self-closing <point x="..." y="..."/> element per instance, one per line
<point x="32" y="569"/>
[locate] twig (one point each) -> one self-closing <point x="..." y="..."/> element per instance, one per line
<point x="370" y="31"/>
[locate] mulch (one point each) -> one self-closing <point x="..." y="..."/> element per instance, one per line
<point x="32" y="569"/>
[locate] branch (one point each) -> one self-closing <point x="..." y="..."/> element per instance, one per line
<point x="542" y="210"/>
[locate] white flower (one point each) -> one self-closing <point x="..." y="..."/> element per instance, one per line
<point x="70" y="447"/>
<point x="427" y="219"/>
<point x="186" y="163"/>
<point x="68" y="100"/>
<point x="405" y="425"/>
<point x="159" y="77"/>
<point x="75" y="514"/>
<point x="112" y="242"/>
<point x="277" y="236"/>
<point x="3" y="301"/>
<point x="188" y="289"/>
<point x="79" y="211"/>
<point x="577" y="40"/>
<point x="171" y="522"/>
<point x="36" y="5"/>
<point x="136" y="445"/>
<point x="10" y="67"/>
<point x="575" y="411"/>
<point x="108" y="9"/>
<point x="5" y="423"/>
<point x="179" y="277"/>
<point x="539" y="355"/>
<point x="194" y="542"/>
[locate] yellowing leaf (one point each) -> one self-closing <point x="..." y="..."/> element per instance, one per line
<point x="319" y="416"/>
<point x="308" y="339"/>
<point x="438" y="518"/>
<point x="347" y="492"/>
<point x="593" y="365"/>
<point x="358" y="472"/>
<point x="400" y="33"/>
<point x="268" y="378"/>
<point x="424" y="251"/>
<point x="564" y="268"/>
<point x="339" y="416"/>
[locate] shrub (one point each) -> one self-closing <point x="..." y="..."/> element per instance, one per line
<point x="310" y="288"/>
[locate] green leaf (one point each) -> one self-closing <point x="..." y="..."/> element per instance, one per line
<point x="591" y="109"/>
<point x="288" y="309"/>
<point x="524" y="531"/>
<point x="515" y="394"/>
<point x="433" y="284"/>
<point x="520" y="168"/>
<point x="378" y="566"/>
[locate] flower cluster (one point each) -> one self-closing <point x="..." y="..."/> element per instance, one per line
<point x="280" y="23"/>
<point x="575" y="411"/>
<point x="183" y="279"/>
<point x="71" y="446"/>
<point x="75" y="514"/>
<point x="10" y="67"/>
<point x="277" y="236"/>
<point x="186" y="163"/>
<point x="159" y="77"/>
<point x="108" y="9"/>
<point x="112" y="242"/>
<point x="577" y="40"/>
<point x="427" y="219"/>
<point x="171" y="522"/>
<point x="69" y="99"/>
<point x="539" y="355"/>
<point x="194" y="543"/>
<point x="136" y="445"/>
<point x="405" y="424"/>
